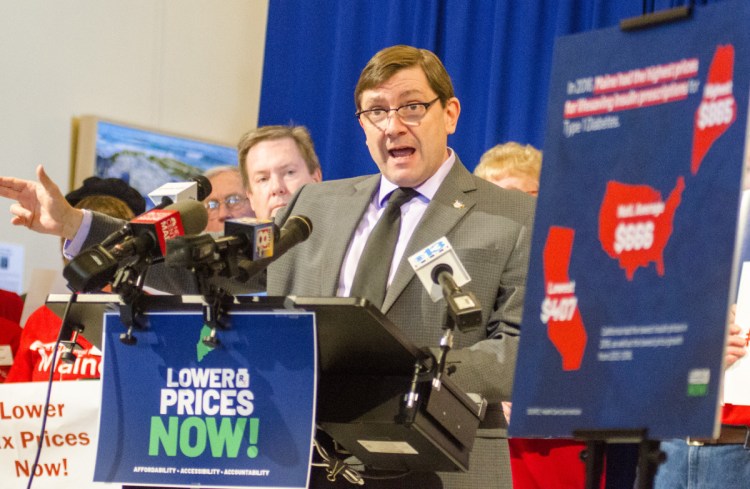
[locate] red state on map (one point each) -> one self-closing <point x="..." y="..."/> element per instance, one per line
<point x="635" y="224"/>
<point x="718" y="109"/>
<point x="559" y="309"/>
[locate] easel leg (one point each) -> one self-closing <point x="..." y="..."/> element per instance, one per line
<point x="594" y="458"/>
<point x="596" y="446"/>
<point x="649" y="458"/>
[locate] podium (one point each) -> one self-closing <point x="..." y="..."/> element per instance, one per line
<point x="375" y="395"/>
<point x="367" y="368"/>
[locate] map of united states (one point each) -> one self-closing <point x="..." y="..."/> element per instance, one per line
<point x="635" y="224"/>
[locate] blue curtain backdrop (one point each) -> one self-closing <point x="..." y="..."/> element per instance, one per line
<point x="498" y="53"/>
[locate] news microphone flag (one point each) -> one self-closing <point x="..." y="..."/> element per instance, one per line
<point x="259" y="232"/>
<point x="439" y="252"/>
<point x="165" y="224"/>
<point x="197" y="188"/>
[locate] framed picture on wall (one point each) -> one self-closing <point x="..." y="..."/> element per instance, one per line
<point x="143" y="157"/>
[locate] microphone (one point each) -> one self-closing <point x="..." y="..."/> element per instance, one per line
<point x="260" y="234"/>
<point x="295" y="230"/>
<point x="143" y="237"/>
<point x="249" y="237"/>
<point x="159" y="225"/>
<point x="197" y="188"/>
<point x="443" y="274"/>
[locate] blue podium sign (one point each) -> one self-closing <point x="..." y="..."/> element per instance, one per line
<point x="176" y="412"/>
<point x="631" y="269"/>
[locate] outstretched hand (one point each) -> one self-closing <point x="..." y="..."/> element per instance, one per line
<point x="41" y="206"/>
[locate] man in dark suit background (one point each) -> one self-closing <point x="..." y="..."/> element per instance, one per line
<point x="407" y="108"/>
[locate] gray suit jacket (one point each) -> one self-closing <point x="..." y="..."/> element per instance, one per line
<point x="490" y="230"/>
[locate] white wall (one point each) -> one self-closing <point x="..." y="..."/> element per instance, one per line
<point x="186" y="66"/>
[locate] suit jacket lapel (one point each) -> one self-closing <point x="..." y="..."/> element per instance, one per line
<point x="356" y="204"/>
<point x="452" y="201"/>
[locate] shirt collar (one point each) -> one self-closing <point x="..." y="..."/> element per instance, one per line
<point x="426" y="189"/>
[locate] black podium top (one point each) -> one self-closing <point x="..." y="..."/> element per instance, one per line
<point x="353" y="335"/>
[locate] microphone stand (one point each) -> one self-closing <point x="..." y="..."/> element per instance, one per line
<point x="446" y="343"/>
<point x="128" y="284"/>
<point x="217" y="301"/>
<point x="69" y="332"/>
<point x="464" y="311"/>
<point x="207" y="259"/>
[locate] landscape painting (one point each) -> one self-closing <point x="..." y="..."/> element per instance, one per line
<point x="144" y="158"/>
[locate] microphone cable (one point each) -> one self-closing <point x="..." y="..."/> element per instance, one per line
<point x="53" y="367"/>
<point x="335" y="467"/>
<point x="346" y="468"/>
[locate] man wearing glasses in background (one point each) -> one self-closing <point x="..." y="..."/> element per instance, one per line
<point x="228" y="199"/>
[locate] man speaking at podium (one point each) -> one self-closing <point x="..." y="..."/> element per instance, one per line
<point x="407" y="108"/>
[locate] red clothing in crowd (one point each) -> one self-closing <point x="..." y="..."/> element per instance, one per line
<point x="32" y="362"/>
<point x="547" y="463"/>
<point x="11" y="306"/>
<point x="737" y="415"/>
<point x="10" y="334"/>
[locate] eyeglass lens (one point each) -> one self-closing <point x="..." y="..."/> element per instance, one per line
<point x="231" y="202"/>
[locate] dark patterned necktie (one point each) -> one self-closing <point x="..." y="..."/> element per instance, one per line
<point x="371" y="277"/>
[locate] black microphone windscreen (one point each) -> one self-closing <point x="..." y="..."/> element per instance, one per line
<point x="204" y="186"/>
<point x="295" y="230"/>
<point x="438" y="269"/>
<point x="298" y="228"/>
<point x="194" y="216"/>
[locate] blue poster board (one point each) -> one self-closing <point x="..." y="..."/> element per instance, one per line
<point x="176" y="412"/>
<point x="630" y="275"/>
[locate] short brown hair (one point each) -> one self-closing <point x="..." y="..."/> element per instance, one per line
<point x="299" y="134"/>
<point x="387" y="62"/>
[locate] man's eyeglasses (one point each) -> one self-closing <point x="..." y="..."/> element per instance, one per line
<point x="232" y="202"/>
<point x="410" y="114"/>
